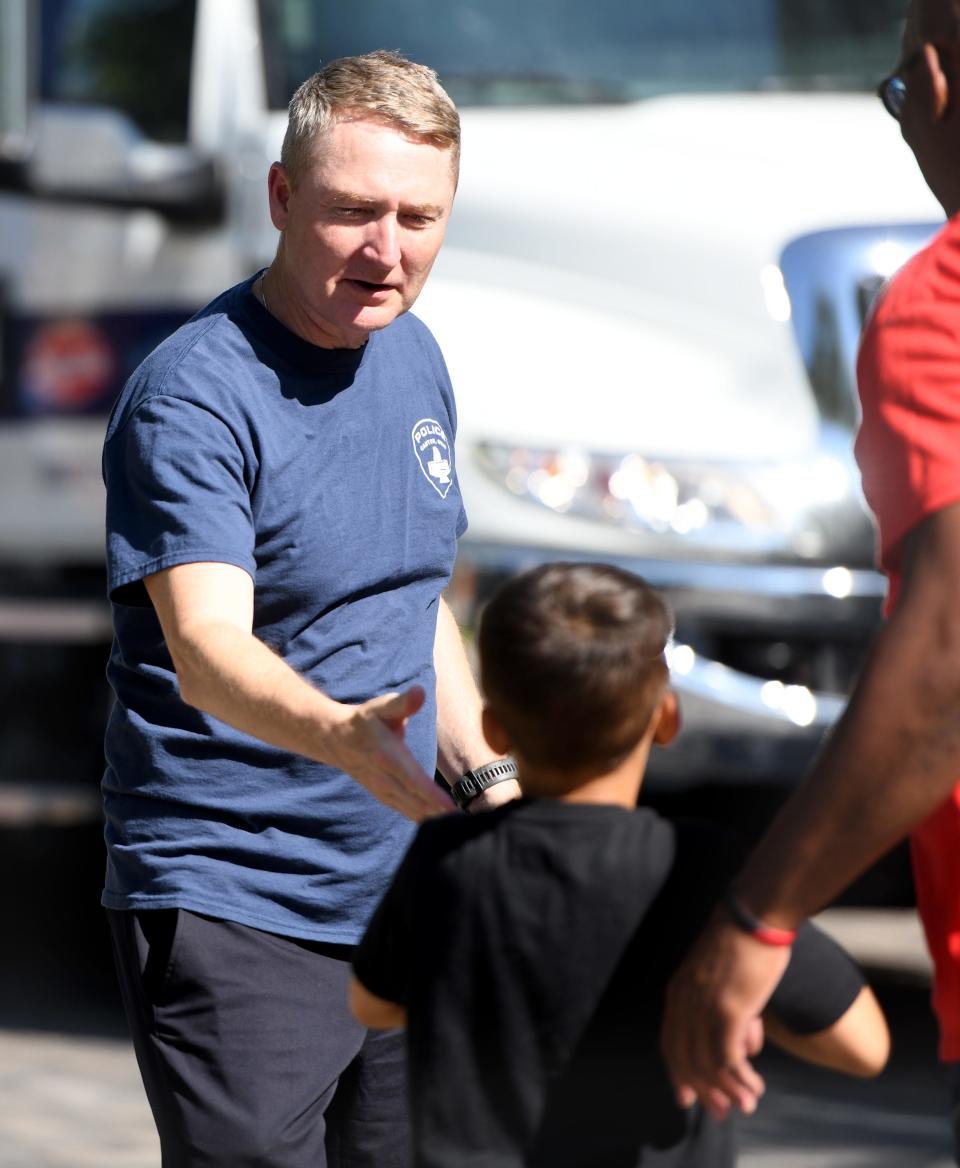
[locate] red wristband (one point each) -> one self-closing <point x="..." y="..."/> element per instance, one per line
<point x="744" y="919"/>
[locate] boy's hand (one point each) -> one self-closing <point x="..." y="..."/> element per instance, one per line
<point x="373" y="1012"/>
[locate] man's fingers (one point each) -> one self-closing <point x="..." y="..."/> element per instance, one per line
<point x="728" y="1071"/>
<point x="427" y="798"/>
<point x="742" y="1086"/>
<point x="674" y="1045"/>
<point x="714" y="1103"/>
<point x="714" y="1071"/>
<point x="420" y="808"/>
<point x="395" y="709"/>
<point x="414" y="793"/>
<point x="754" y="1038"/>
<point x="686" y="1096"/>
<point x="739" y="1087"/>
<point x="416" y="800"/>
<point x="378" y="758"/>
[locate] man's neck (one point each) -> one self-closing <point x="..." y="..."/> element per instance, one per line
<point x="271" y="289"/>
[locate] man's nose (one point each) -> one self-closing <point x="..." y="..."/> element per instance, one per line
<point x="383" y="241"/>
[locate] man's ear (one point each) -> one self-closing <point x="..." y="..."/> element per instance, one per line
<point x="494" y="732"/>
<point x="939" y="83"/>
<point x="279" y="190"/>
<point x="668" y="719"/>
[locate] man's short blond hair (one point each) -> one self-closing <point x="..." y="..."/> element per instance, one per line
<point x="382" y="85"/>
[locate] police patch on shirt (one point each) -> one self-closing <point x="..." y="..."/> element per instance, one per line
<point x="434" y="453"/>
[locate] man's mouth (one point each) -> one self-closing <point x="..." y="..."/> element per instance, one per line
<point x="371" y="286"/>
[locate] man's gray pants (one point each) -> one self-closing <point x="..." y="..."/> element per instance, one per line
<point x="249" y="1055"/>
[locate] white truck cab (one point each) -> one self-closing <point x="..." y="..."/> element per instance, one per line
<point x="672" y="218"/>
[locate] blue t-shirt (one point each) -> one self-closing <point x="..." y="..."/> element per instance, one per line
<point x="328" y="476"/>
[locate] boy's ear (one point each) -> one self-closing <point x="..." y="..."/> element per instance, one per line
<point x="494" y="732"/>
<point x="668" y="719"/>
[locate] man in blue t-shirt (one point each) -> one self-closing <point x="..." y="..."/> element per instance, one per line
<point x="282" y="517"/>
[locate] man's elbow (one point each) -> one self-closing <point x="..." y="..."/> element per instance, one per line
<point x="188" y="678"/>
<point x="198" y="655"/>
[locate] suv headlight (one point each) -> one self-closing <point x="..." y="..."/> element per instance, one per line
<point x="761" y="507"/>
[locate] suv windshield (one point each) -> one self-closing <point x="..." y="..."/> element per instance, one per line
<point x="500" y="52"/>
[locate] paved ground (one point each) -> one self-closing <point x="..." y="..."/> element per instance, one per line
<point x="74" y="1100"/>
<point x="70" y="1096"/>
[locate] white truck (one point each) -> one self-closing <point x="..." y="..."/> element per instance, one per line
<point x="671" y="220"/>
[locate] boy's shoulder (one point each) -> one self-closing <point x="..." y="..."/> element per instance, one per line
<point x="693" y="837"/>
<point x="443" y="834"/>
<point x="690" y="858"/>
<point x="705" y="858"/>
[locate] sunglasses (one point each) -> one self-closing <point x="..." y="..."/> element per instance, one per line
<point x="892" y="90"/>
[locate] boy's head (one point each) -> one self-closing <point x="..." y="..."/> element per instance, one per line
<point x="572" y="666"/>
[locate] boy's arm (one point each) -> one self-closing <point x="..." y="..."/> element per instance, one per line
<point x="383" y="960"/>
<point x="858" y="1043"/>
<point x="376" y="1013"/>
<point x="824" y="1012"/>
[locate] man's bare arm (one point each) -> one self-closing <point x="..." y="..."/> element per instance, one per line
<point x="206" y="613"/>
<point x="461" y="745"/>
<point x="893" y="757"/>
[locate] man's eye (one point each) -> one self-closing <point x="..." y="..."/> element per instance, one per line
<point x="351" y="212"/>
<point x="420" y="220"/>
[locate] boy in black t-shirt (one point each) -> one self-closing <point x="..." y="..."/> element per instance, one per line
<point x="526" y="949"/>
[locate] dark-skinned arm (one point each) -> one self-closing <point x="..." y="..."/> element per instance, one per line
<point x="892" y="758"/>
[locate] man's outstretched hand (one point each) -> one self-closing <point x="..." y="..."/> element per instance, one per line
<point x="711" y="1026"/>
<point x="367" y="742"/>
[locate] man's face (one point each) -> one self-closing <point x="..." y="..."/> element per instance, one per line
<point x="929" y="56"/>
<point x="360" y="230"/>
<point x="928" y="120"/>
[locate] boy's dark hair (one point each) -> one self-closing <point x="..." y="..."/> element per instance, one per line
<point x="572" y="663"/>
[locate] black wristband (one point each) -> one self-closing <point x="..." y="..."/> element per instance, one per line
<point x="470" y="785"/>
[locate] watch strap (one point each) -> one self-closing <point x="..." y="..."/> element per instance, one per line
<point x="471" y="784"/>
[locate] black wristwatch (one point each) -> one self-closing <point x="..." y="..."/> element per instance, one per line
<point x="470" y="785"/>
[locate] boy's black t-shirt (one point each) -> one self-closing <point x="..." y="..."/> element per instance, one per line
<point x="531" y="946"/>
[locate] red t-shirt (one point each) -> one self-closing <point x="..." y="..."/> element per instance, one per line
<point x="908" y="450"/>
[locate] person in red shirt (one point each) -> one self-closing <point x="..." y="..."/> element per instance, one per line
<point x="908" y="450"/>
<point x="892" y="764"/>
